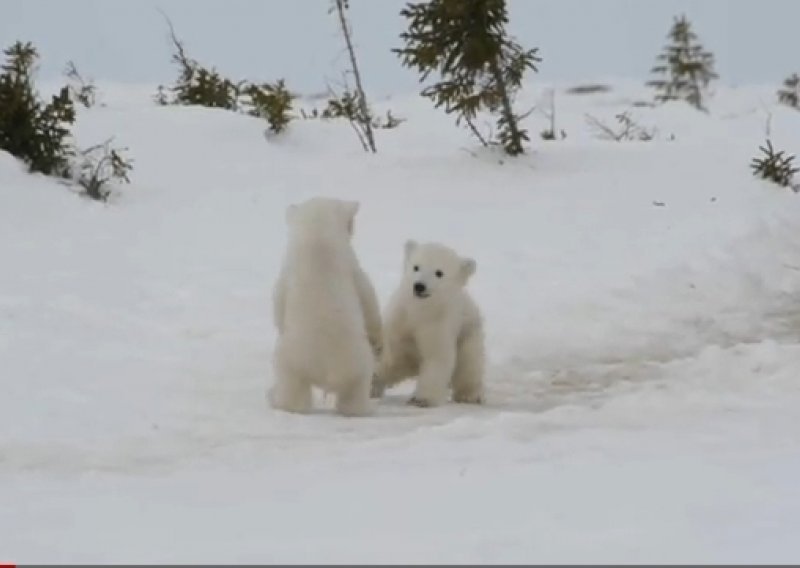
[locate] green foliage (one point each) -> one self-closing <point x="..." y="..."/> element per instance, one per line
<point x="98" y="166"/>
<point x="790" y="93"/>
<point x="774" y="166"/>
<point x="198" y="85"/>
<point x="39" y="134"/>
<point x="34" y="132"/>
<point x="345" y="106"/>
<point x="684" y="69"/>
<point x="272" y="102"/>
<point x="480" y="66"/>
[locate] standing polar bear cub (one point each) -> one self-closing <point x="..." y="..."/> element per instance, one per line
<point x="433" y="329"/>
<point x="326" y="312"/>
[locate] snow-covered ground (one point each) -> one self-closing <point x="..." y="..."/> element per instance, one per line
<point x="643" y="310"/>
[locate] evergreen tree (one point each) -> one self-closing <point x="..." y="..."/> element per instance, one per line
<point x="777" y="167"/>
<point x="344" y="106"/>
<point x="197" y="85"/>
<point x="480" y="66"/>
<point x="206" y="87"/>
<point x="790" y="93"/>
<point x="35" y="132"/>
<point x="684" y="69"/>
<point x="272" y="102"/>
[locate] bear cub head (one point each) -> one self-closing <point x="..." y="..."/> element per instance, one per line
<point x="435" y="271"/>
<point x="323" y="216"/>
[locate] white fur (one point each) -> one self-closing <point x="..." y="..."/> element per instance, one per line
<point x="438" y="338"/>
<point x="326" y="312"/>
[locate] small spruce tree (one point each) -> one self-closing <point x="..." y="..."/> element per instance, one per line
<point x="777" y="167"/>
<point x="481" y="67"/>
<point x="272" y="102"/>
<point x="684" y="69"/>
<point x="197" y="85"/>
<point x="206" y="87"/>
<point x="344" y="106"/>
<point x="790" y="93"/>
<point x="34" y="132"/>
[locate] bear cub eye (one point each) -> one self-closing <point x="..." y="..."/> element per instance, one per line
<point x="416" y="268"/>
<point x="439" y="274"/>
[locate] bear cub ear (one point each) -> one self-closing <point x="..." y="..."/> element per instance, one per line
<point x="468" y="268"/>
<point x="410" y="246"/>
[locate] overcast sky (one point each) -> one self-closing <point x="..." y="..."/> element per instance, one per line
<point x="755" y="41"/>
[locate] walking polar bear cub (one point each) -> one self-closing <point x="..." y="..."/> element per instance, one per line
<point x="433" y="329"/>
<point x="326" y="312"/>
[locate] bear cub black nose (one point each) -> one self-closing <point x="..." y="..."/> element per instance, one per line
<point x="419" y="288"/>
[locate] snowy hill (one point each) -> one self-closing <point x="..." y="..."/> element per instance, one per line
<point x="643" y="321"/>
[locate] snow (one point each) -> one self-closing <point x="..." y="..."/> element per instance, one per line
<point x="642" y="319"/>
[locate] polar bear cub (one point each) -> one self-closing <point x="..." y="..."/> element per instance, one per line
<point x="433" y="329"/>
<point x="325" y="310"/>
